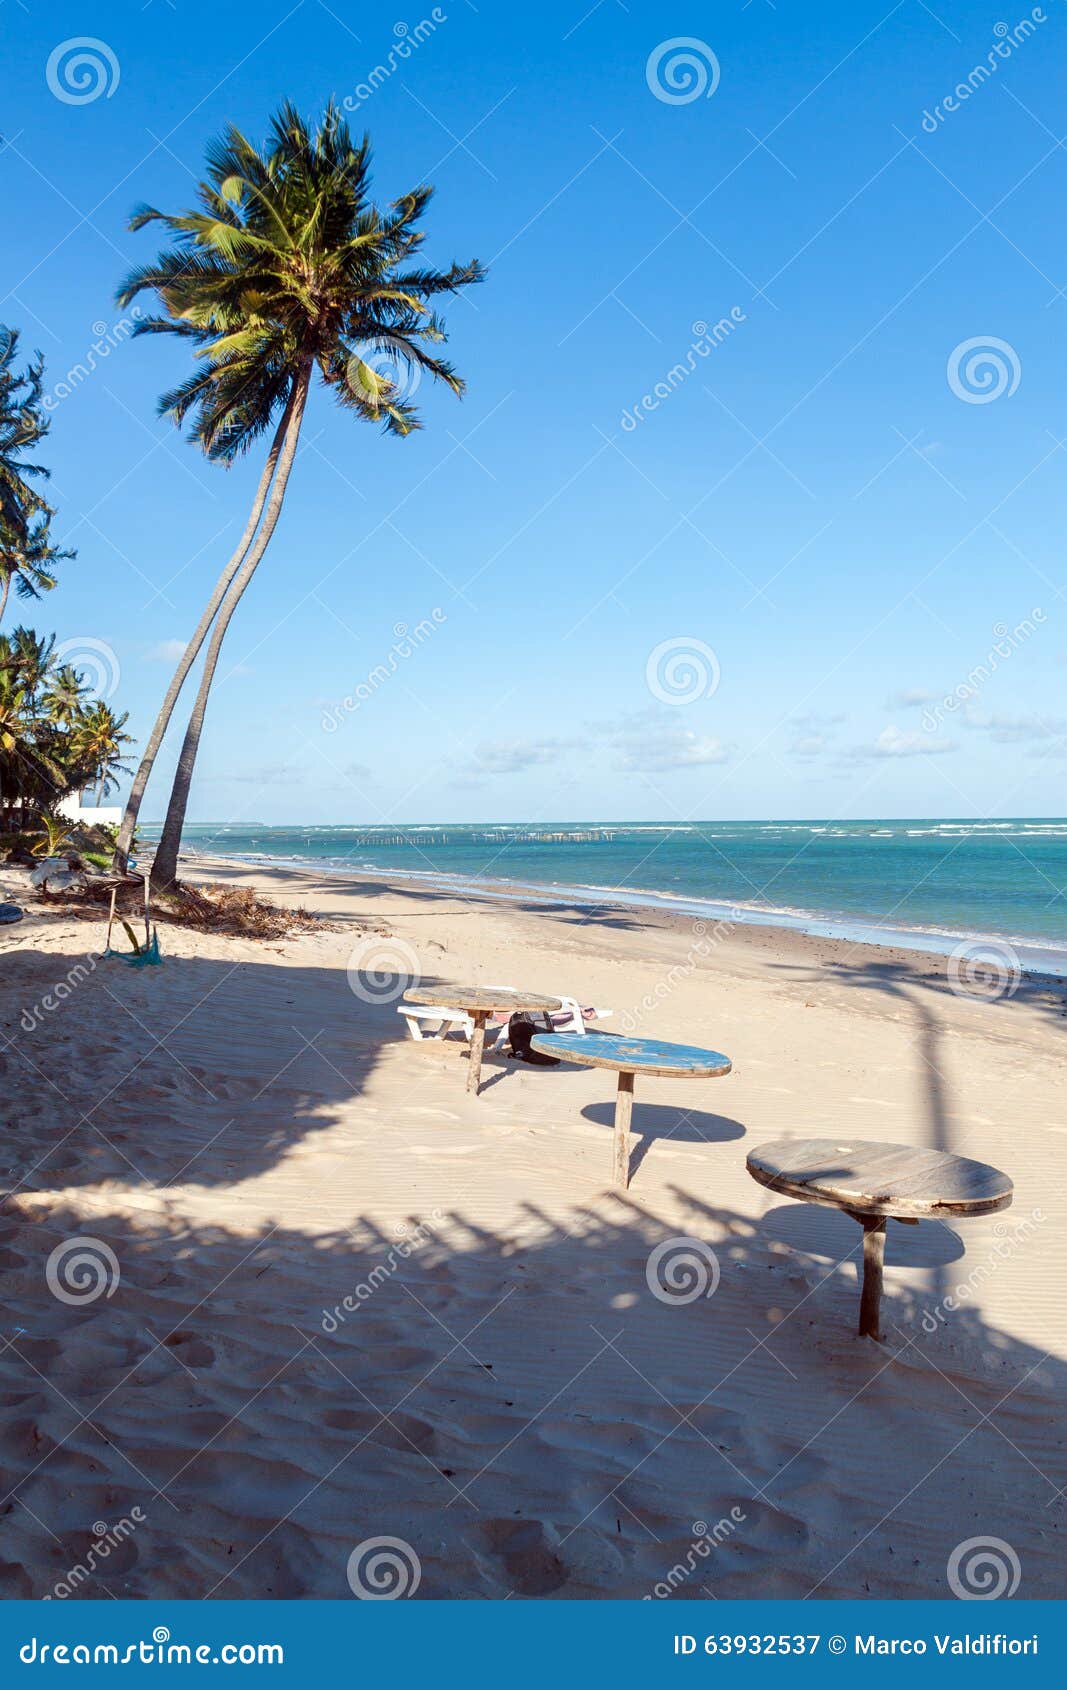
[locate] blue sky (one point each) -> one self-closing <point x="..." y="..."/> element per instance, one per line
<point x="737" y="590"/>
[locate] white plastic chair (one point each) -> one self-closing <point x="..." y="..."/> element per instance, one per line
<point x="569" y="1018"/>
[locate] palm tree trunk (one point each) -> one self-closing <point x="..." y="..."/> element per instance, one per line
<point x="189" y="656"/>
<point x="165" y="864"/>
<point x="3" y="596"/>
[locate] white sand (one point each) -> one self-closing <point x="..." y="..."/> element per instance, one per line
<point x="256" y="1143"/>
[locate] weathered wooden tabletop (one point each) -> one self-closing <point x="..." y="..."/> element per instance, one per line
<point x="632" y="1056"/>
<point x="879" y="1179"/>
<point x="479" y="999"/>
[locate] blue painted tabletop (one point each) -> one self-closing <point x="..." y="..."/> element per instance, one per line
<point x="636" y="1056"/>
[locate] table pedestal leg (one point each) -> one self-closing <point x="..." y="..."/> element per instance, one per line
<point x="474" y="1072"/>
<point x="624" y="1103"/>
<point x="873" y="1261"/>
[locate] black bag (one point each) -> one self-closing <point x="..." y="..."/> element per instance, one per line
<point x="521" y="1030"/>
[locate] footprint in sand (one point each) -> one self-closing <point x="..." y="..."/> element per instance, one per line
<point x="406" y="1433"/>
<point x="528" y="1551"/>
<point x="190" y="1349"/>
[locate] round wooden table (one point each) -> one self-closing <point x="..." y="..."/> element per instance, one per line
<point x="630" y="1057"/>
<point x="875" y="1182"/>
<point x="480" y="1002"/>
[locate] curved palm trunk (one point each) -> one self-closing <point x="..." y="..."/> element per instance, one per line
<point x="189" y="656"/>
<point x="165" y="864"/>
<point x="3" y="595"/>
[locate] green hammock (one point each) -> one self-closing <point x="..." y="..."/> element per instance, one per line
<point x="139" y="955"/>
<point x="145" y="956"/>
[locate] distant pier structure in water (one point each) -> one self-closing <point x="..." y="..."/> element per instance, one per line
<point x="487" y="836"/>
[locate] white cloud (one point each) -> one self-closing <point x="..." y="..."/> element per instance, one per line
<point x="894" y="742"/>
<point x="909" y="698"/>
<point x="509" y="757"/>
<point x="812" y="734"/>
<point x="167" y="651"/>
<point x="1017" y="730"/>
<point x="269" y="774"/>
<point x="658" y="749"/>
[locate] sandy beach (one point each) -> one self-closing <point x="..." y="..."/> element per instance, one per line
<point x="347" y="1301"/>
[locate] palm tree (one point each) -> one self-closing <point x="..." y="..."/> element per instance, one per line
<point x="27" y="555"/>
<point x="64" y="696"/>
<point x="98" y="741"/>
<point x="28" y="770"/>
<point x="32" y="654"/>
<point x="288" y="268"/>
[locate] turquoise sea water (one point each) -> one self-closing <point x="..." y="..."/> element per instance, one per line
<point x="929" y="882"/>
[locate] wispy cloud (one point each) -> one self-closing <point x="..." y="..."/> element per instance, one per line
<point x="910" y="698"/>
<point x="668" y="748"/>
<point x="648" y="741"/>
<point x="510" y="757"/>
<point x="894" y="742"/>
<point x="1017" y="730"/>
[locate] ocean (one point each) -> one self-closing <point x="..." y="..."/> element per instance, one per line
<point x="925" y="884"/>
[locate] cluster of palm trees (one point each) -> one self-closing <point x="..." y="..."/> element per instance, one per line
<point x="27" y="554"/>
<point x="54" y="738"/>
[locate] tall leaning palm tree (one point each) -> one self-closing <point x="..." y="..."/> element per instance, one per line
<point x="285" y="270"/>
